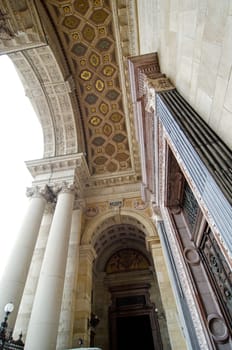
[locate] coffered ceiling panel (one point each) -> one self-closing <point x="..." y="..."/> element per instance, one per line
<point x="85" y="28"/>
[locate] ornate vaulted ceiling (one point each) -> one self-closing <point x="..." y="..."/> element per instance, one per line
<point x="85" y="28"/>
<point x="72" y="59"/>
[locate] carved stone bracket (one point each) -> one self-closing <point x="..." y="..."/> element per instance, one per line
<point x="153" y="86"/>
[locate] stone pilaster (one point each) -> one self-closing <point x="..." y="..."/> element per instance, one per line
<point x="168" y="300"/>
<point x="84" y="291"/>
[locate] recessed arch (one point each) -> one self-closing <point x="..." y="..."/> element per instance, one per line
<point x="110" y="218"/>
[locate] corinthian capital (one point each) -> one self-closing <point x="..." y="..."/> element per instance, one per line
<point x="39" y="192"/>
<point x="64" y="187"/>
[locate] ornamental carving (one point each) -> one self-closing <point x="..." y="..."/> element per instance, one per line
<point x="5" y="31"/>
<point x="153" y="86"/>
<point x="41" y="192"/>
<point x="127" y="260"/>
<point x="86" y="32"/>
<point x="218" y="270"/>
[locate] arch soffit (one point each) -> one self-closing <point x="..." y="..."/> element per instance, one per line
<point x="50" y="95"/>
<point x="97" y="225"/>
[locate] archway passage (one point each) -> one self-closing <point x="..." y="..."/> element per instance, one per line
<point x="126" y="293"/>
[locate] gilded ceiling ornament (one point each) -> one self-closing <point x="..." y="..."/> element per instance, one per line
<point x="107" y="129"/>
<point x="88" y="33"/>
<point x="81" y="6"/>
<point x="108" y="70"/>
<point x="86" y="75"/>
<point x="106" y="58"/>
<point x="100" y="85"/>
<point x="66" y="9"/>
<point x="71" y="22"/>
<point x="101" y="31"/>
<point x="97" y="3"/>
<point x="83" y="62"/>
<point x="94" y="60"/>
<point x="99" y="16"/>
<point x="75" y="36"/>
<point x="104" y="108"/>
<point x="116" y="117"/>
<point x="88" y="87"/>
<point x="95" y="120"/>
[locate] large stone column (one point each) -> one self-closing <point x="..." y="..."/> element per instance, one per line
<point x="15" y="275"/>
<point x="65" y="332"/>
<point x="44" y="321"/>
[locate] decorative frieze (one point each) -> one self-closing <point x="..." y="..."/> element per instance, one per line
<point x="61" y="173"/>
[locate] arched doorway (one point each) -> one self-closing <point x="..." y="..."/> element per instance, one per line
<point x="126" y="296"/>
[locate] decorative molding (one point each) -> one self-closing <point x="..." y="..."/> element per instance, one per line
<point x="6" y="33"/>
<point x="41" y="192"/>
<point x="20" y="26"/>
<point x="186" y="285"/>
<point x="51" y="97"/>
<point x="60" y="172"/>
<point x="211" y="199"/>
<point x="152" y="87"/>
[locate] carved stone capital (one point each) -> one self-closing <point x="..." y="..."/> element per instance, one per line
<point x="40" y="192"/>
<point x="65" y="187"/>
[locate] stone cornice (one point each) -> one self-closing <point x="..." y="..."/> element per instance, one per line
<point x="59" y="170"/>
<point x="54" y="164"/>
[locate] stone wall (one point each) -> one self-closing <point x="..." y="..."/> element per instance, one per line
<point x="194" y="44"/>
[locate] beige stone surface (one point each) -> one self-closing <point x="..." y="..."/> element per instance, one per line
<point x="174" y="328"/>
<point x="194" y="43"/>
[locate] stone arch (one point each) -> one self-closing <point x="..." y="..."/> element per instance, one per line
<point x="51" y="96"/>
<point x="115" y="217"/>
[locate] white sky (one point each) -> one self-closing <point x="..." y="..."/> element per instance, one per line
<point x="20" y="139"/>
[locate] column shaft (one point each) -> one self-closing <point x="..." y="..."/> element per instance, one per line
<point x="44" y="322"/>
<point x="15" y="274"/>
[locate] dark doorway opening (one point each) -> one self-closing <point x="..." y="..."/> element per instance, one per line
<point x="134" y="332"/>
